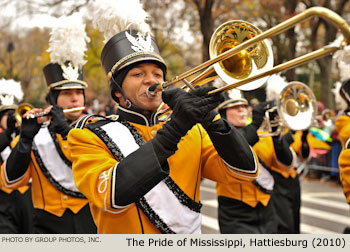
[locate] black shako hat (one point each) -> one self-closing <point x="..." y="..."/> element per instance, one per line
<point x="59" y="77"/>
<point x="345" y="91"/>
<point x="65" y="76"/>
<point x="129" y="47"/>
<point x="67" y="46"/>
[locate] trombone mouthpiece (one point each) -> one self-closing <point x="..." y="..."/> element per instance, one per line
<point x="152" y="90"/>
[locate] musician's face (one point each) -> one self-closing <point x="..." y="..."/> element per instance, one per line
<point x="136" y="82"/>
<point x="3" y="122"/>
<point x="71" y="98"/>
<point x="237" y="115"/>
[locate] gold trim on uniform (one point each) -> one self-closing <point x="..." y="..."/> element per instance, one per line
<point x="134" y="55"/>
<point x="56" y="84"/>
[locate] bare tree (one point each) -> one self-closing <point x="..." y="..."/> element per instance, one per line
<point x="20" y="59"/>
<point x="54" y="8"/>
<point x="322" y="34"/>
<point x="212" y="13"/>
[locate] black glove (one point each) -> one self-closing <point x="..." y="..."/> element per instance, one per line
<point x="272" y="116"/>
<point x="59" y="121"/>
<point x="11" y="124"/>
<point x="188" y="109"/>
<point x="259" y="113"/>
<point x="29" y="128"/>
<point x="193" y="107"/>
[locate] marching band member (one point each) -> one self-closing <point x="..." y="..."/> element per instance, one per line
<point x="342" y="123"/>
<point x="41" y="153"/>
<point x="344" y="172"/>
<point x="299" y="143"/>
<point x="140" y="175"/>
<point x="245" y="206"/>
<point x="16" y="208"/>
<point x="343" y="127"/>
<point x="286" y="195"/>
<point x="301" y="147"/>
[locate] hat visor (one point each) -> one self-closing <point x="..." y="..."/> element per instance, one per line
<point x="137" y="57"/>
<point x="232" y="103"/>
<point x="69" y="84"/>
<point x="7" y="107"/>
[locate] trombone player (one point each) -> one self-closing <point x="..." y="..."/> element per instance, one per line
<point x="41" y="152"/>
<point x="296" y="107"/>
<point x="245" y="207"/>
<point x="141" y="175"/>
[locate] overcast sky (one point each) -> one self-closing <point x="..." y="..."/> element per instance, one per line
<point x="39" y="16"/>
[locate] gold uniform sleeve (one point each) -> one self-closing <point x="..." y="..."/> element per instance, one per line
<point x="344" y="167"/>
<point x="88" y="151"/>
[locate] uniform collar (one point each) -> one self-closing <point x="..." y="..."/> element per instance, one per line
<point x="136" y="115"/>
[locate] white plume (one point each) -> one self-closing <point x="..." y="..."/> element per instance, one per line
<point x="111" y="17"/>
<point x="340" y="103"/>
<point x="274" y="86"/>
<point x="68" y="41"/>
<point x="12" y="88"/>
<point x="235" y="93"/>
<point x="342" y="58"/>
<point x="218" y="82"/>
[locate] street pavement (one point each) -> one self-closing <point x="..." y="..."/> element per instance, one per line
<point x="323" y="209"/>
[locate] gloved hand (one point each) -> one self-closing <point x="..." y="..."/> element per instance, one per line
<point x="188" y="109"/>
<point x="193" y="107"/>
<point x="273" y="113"/>
<point x="29" y="128"/>
<point x="259" y="113"/>
<point x="11" y="124"/>
<point x="59" y="121"/>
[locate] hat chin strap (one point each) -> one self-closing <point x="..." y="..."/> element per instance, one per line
<point x="120" y="90"/>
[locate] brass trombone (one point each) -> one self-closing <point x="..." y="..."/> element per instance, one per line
<point x="256" y="40"/>
<point x="296" y="109"/>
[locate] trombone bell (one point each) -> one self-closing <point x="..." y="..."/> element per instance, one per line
<point x="297" y="106"/>
<point x="291" y="107"/>
<point x="239" y="66"/>
<point x="250" y="61"/>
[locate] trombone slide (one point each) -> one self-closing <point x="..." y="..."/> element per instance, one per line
<point x="322" y="12"/>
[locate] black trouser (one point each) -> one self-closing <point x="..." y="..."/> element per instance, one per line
<point x="16" y="212"/>
<point x="69" y="223"/>
<point x="236" y="217"/>
<point x="286" y="201"/>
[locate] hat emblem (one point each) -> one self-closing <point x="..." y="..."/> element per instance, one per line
<point x="69" y="72"/>
<point x="7" y="100"/>
<point x="141" y="43"/>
